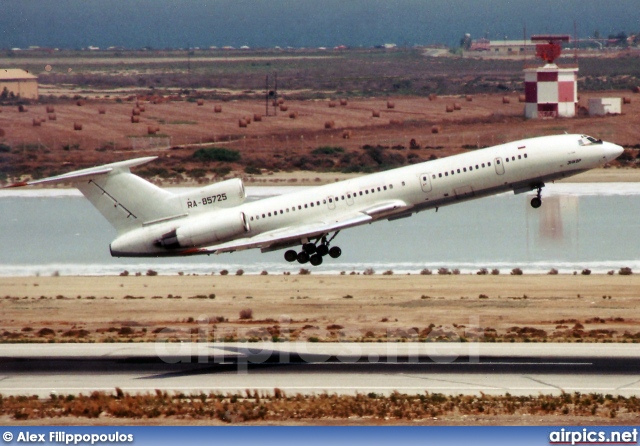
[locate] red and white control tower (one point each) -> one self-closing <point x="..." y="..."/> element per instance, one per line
<point x="550" y="91"/>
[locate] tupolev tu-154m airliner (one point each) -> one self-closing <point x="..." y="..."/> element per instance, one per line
<point x="153" y="222"/>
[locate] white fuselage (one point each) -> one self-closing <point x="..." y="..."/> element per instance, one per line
<point x="517" y="166"/>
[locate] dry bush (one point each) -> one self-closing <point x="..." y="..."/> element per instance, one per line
<point x="283" y="108"/>
<point x="22" y="109"/>
<point x="433" y="97"/>
<point x="468" y="98"/>
<point x="264" y="273"/>
<point x="425" y="272"/>
<point x="625" y="271"/>
<point x="293" y="115"/>
<point x="240" y="272"/>
<point x="444" y="271"/>
<point x="151" y="273"/>
<point x="586" y="272"/>
<point x="304" y="272"/>
<point x="553" y="272"/>
<point x="495" y="272"/>
<point x="516" y="272"/>
<point x="79" y="103"/>
<point x="368" y="272"/>
<point x="626" y="100"/>
<point x="102" y="111"/>
<point x="388" y="273"/>
<point x="135" y="112"/>
<point x="346" y="134"/>
<point x="483" y="272"/>
<point x="522" y="98"/>
<point x="224" y="272"/>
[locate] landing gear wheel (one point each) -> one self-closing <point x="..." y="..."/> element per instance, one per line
<point x="335" y="252"/>
<point x="302" y="257"/>
<point x="290" y="255"/>
<point x="315" y="260"/>
<point x="536" y="202"/>
<point x="322" y="250"/>
<point x="309" y="248"/>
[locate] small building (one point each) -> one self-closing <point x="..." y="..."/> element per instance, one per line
<point x="605" y="106"/>
<point x="550" y="92"/>
<point x="15" y="82"/>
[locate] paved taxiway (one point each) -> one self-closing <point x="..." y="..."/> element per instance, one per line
<point x="451" y="368"/>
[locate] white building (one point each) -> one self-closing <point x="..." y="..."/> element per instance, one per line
<point x="605" y="106"/>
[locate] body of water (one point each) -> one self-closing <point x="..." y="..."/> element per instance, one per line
<point x="594" y="226"/>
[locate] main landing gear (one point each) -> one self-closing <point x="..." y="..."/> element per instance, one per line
<point x="536" y="201"/>
<point x="314" y="252"/>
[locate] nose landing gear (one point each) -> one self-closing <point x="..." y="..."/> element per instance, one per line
<point x="314" y="252"/>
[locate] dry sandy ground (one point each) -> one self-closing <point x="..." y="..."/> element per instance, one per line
<point x="327" y="307"/>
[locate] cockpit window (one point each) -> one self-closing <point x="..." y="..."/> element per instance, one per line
<point x="588" y="140"/>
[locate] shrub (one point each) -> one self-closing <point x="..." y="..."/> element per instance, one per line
<point x="483" y="272"/>
<point x="217" y="154"/>
<point x="246" y="313"/>
<point x="426" y="272"/>
<point x="443" y="271"/>
<point x="553" y="272"/>
<point x="611" y="273"/>
<point x="304" y="272"/>
<point x="327" y="150"/>
<point x="239" y="272"/>
<point x="264" y="273"/>
<point x="152" y="273"/>
<point x="455" y="271"/>
<point x="495" y="272"/>
<point x="586" y="272"/>
<point x="516" y="272"/>
<point x="625" y="271"/>
<point x="124" y="273"/>
<point x="252" y="170"/>
<point x="368" y="272"/>
<point x="224" y="272"/>
<point x="387" y="273"/>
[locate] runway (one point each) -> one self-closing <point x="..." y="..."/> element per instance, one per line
<point x="344" y="368"/>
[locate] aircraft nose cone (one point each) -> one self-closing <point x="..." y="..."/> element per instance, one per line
<point x="613" y="151"/>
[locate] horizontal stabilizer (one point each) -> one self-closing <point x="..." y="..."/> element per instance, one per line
<point x="79" y="175"/>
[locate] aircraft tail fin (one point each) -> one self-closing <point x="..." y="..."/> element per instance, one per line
<point x="124" y="199"/>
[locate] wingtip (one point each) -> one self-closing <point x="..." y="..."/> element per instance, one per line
<point x="18" y="184"/>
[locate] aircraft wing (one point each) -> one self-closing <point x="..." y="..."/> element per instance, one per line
<point x="293" y="235"/>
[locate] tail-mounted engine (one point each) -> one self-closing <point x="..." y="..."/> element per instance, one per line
<point x="215" y="228"/>
<point x="218" y="195"/>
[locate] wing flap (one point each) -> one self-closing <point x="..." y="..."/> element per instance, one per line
<point x="282" y="236"/>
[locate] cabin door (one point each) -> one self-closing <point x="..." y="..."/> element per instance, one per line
<point x="425" y="182"/>
<point x="499" y="166"/>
